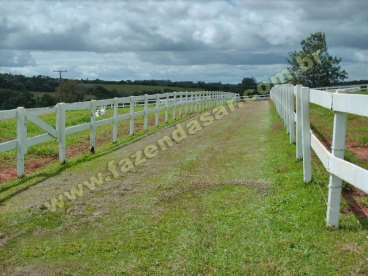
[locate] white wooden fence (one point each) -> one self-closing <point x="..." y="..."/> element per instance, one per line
<point x="347" y="88"/>
<point x="292" y="103"/>
<point x="255" y="98"/>
<point x="178" y="103"/>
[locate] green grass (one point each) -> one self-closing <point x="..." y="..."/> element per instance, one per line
<point x="77" y="144"/>
<point x="128" y="89"/>
<point x="357" y="132"/>
<point x="364" y="91"/>
<point x="172" y="224"/>
<point x="49" y="150"/>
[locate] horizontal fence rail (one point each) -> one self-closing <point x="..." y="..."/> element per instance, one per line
<point x="176" y="103"/>
<point x="254" y="98"/>
<point x="293" y="103"/>
<point x="347" y="88"/>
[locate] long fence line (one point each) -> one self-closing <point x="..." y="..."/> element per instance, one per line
<point x="178" y="103"/>
<point x="348" y="88"/>
<point x="292" y="104"/>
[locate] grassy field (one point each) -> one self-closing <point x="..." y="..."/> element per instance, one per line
<point x="128" y="89"/>
<point x="228" y="200"/>
<point x="364" y="91"/>
<point x="357" y="133"/>
<point x="78" y="144"/>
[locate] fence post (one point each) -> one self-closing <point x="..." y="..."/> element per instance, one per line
<point x="166" y="116"/>
<point x="93" y="126"/>
<point x="132" y="116"/>
<point x="194" y="103"/>
<point x="287" y="107"/>
<point x="157" y="114"/>
<point x="21" y="140"/>
<point x="198" y="101"/>
<point x="180" y="107"/>
<point x="306" y="135"/>
<point x="282" y="104"/>
<point x="209" y="100"/>
<point x="299" y="149"/>
<point x="186" y="103"/>
<point x="204" y="100"/>
<point x="191" y="101"/>
<point x="292" y="114"/>
<point x="174" y="107"/>
<point x="115" y="120"/>
<point x="60" y="130"/>
<point x="335" y="183"/>
<point x="200" y="97"/>
<point x="145" y="111"/>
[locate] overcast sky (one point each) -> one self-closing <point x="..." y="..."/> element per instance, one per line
<point x="222" y="40"/>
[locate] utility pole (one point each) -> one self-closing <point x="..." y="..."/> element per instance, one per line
<point x="60" y="73"/>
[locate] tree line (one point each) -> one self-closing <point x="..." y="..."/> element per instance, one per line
<point x="41" y="91"/>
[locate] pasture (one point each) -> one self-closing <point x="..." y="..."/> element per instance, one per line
<point x="137" y="89"/>
<point x="227" y="200"/>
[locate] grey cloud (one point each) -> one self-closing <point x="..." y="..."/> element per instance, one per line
<point x="9" y="58"/>
<point x="72" y="39"/>
<point x="212" y="57"/>
<point x="126" y="26"/>
<point x="177" y="35"/>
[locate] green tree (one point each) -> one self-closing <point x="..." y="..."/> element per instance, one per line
<point x="12" y="99"/>
<point x="46" y="100"/>
<point x="248" y="86"/>
<point x="69" y="91"/>
<point x="313" y="66"/>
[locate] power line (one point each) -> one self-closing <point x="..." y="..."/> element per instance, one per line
<point x="60" y="73"/>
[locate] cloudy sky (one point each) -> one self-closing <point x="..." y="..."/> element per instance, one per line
<point x="222" y="40"/>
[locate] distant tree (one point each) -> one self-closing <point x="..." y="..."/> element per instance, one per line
<point x="46" y="100"/>
<point x="69" y="91"/>
<point x="248" y="86"/>
<point x="23" y="83"/>
<point x="12" y="99"/>
<point x="99" y="92"/>
<point x="313" y="66"/>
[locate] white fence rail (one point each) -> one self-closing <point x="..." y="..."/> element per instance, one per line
<point x="347" y="88"/>
<point x="178" y="103"/>
<point x="292" y="103"/>
<point x="255" y="98"/>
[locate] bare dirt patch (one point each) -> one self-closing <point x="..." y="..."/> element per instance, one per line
<point x="8" y="172"/>
<point x="352" y="197"/>
<point x="359" y="151"/>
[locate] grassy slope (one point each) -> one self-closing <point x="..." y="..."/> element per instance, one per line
<point x="48" y="152"/>
<point x="77" y="144"/>
<point x="232" y="203"/>
<point x="130" y="88"/>
<point x="140" y="89"/>
<point x="357" y="133"/>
